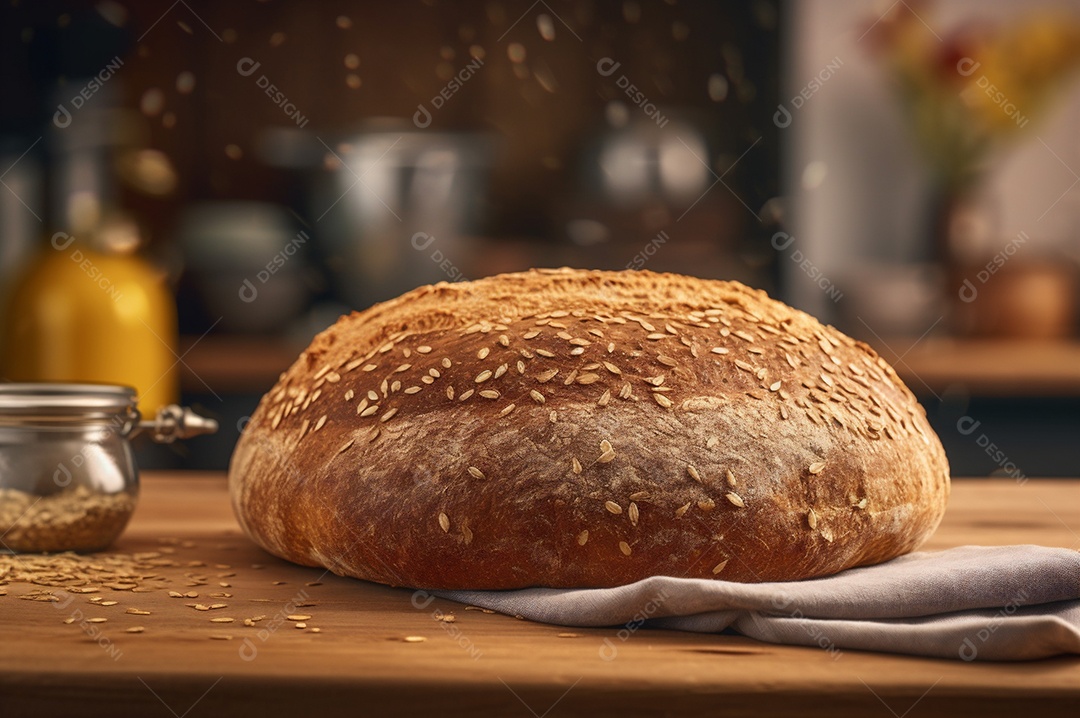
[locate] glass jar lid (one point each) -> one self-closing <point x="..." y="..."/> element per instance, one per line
<point x="63" y="406"/>
<point x="27" y="403"/>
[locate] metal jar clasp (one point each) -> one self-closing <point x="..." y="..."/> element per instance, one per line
<point x="172" y="422"/>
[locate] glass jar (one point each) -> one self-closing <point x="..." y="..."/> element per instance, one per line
<point x="68" y="479"/>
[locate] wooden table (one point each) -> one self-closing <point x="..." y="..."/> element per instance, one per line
<point x="481" y="664"/>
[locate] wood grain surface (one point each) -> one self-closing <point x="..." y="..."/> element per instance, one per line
<point x="986" y="367"/>
<point x="479" y="664"/>
<point x="983" y="367"/>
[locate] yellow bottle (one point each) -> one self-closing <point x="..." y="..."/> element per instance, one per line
<point x="93" y="311"/>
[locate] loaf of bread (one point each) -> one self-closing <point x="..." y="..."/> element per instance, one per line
<point x="572" y="428"/>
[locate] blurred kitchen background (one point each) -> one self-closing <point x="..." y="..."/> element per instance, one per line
<point x="191" y="190"/>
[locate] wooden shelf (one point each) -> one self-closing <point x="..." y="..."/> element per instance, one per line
<point x="987" y="367"/>
<point x="998" y="367"/>
<point x="234" y="364"/>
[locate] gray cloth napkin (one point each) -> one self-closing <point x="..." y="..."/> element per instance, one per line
<point x="973" y="602"/>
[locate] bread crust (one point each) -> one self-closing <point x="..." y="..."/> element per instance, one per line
<point x="572" y="428"/>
